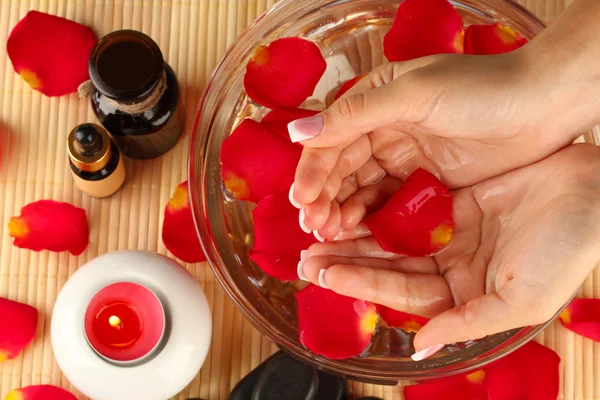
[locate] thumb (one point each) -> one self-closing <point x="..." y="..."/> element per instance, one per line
<point x="351" y="116"/>
<point x="479" y="317"/>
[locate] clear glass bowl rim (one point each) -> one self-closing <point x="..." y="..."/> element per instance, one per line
<point x="197" y="192"/>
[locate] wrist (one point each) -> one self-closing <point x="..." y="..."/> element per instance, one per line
<point x="564" y="62"/>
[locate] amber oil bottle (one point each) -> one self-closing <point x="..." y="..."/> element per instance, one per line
<point x="96" y="163"/>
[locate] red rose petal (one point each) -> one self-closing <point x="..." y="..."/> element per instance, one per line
<point x="284" y="73"/>
<point x="278" y="239"/>
<point x="256" y="162"/>
<point x="582" y="316"/>
<point x="179" y="232"/>
<point x="492" y="39"/>
<point x="417" y="220"/>
<point x="530" y="372"/>
<point x="278" y="120"/>
<point x="18" y="323"/>
<point x="464" y="387"/>
<point x="333" y="325"/>
<point x="422" y="28"/>
<point x="51" y="53"/>
<point x="398" y="319"/>
<point x="40" y="392"/>
<point x="50" y="225"/>
<point x="348" y="85"/>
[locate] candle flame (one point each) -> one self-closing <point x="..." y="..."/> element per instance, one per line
<point x="114" y="321"/>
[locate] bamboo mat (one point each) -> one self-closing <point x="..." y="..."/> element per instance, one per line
<point x="193" y="35"/>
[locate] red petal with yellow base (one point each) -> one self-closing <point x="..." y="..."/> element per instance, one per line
<point x="284" y="73"/>
<point x="179" y="232"/>
<point x="256" y="162"/>
<point x="464" y="387"/>
<point x="398" y="319"/>
<point x="417" y="220"/>
<point x="492" y="39"/>
<point x="334" y="325"/>
<point x="582" y="316"/>
<point x="278" y="119"/>
<point x="278" y="239"/>
<point x="50" y="225"/>
<point x="530" y="372"/>
<point x="422" y="28"/>
<point x="348" y="85"/>
<point x="51" y="53"/>
<point x="40" y="392"/>
<point x="18" y="323"/>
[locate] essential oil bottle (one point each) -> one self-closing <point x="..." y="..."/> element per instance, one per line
<point x="136" y="94"/>
<point x="96" y="163"/>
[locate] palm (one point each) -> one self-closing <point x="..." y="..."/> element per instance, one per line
<point x="515" y="236"/>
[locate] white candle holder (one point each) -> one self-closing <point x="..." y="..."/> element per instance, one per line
<point x="183" y="349"/>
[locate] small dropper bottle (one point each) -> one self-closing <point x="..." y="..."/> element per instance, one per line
<point x="96" y="163"/>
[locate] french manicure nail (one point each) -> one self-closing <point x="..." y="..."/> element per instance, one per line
<point x="426" y="352"/>
<point x="322" y="282"/>
<point x="301" y="218"/>
<point x="292" y="199"/>
<point x="303" y="255"/>
<point x="305" y="128"/>
<point x="318" y="236"/>
<point x="301" y="274"/>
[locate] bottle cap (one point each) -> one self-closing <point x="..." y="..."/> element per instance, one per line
<point x="89" y="147"/>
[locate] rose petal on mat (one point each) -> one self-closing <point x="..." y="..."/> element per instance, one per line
<point x="278" y="120"/>
<point x="51" y="53"/>
<point x="463" y="387"/>
<point x="492" y="39"/>
<point x="255" y="162"/>
<point x="284" y="73"/>
<point x="40" y="392"/>
<point x="422" y="28"/>
<point x="18" y="323"/>
<point x="334" y="325"/>
<point x="278" y="238"/>
<point x="398" y="319"/>
<point x="530" y="372"/>
<point x="582" y="316"/>
<point x="179" y="231"/>
<point x="417" y="220"/>
<point x="348" y="85"/>
<point x="50" y="225"/>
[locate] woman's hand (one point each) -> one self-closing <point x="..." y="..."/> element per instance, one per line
<point x="464" y="118"/>
<point x="524" y="242"/>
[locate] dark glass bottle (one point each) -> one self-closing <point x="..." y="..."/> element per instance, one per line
<point x="136" y="94"/>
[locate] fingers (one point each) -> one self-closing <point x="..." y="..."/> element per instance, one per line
<point x="365" y="247"/>
<point x="479" y="317"/>
<point x="370" y="173"/>
<point x="384" y="96"/>
<point x="422" y="294"/>
<point x="367" y="199"/>
<point x="332" y="226"/>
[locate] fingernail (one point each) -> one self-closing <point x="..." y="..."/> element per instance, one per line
<point x="337" y="237"/>
<point x="301" y="218"/>
<point x="319" y="237"/>
<point x="426" y="352"/>
<point x="303" y="255"/>
<point x="301" y="274"/>
<point x="292" y="199"/>
<point x="305" y="128"/>
<point x="322" y="282"/>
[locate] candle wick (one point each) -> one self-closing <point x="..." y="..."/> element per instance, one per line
<point x="114" y="321"/>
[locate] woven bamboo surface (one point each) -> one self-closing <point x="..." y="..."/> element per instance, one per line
<point x="193" y="35"/>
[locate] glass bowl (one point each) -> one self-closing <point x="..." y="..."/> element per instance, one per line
<point x="350" y="35"/>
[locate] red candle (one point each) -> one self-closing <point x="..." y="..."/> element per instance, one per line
<point x="124" y="322"/>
